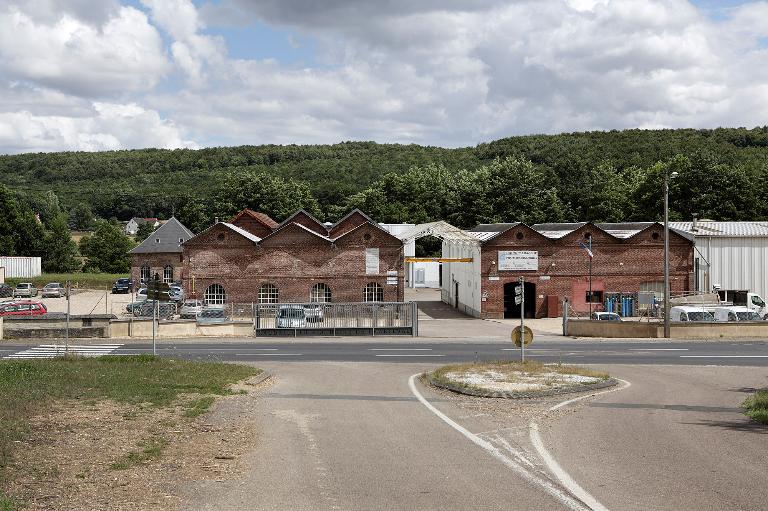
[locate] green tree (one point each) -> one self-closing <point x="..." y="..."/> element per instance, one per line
<point x="60" y="255"/>
<point x="264" y="192"/>
<point x="195" y="215"/>
<point x="144" y="231"/>
<point x="107" y="249"/>
<point x="20" y="233"/>
<point x="81" y="217"/>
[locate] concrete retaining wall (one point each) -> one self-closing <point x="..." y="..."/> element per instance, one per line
<point x="53" y="326"/>
<point x="142" y="328"/>
<point x="640" y="329"/>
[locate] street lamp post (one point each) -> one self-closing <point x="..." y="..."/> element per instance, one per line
<point x="667" y="175"/>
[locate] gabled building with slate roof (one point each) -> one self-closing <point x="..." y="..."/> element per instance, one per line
<point x="161" y="253"/>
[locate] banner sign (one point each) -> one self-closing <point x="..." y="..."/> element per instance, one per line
<point x="519" y="260"/>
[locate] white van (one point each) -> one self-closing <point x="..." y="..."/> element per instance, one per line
<point x="735" y="313"/>
<point x="683" y="313"/>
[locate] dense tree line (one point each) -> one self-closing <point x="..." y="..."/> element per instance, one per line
<point x="598" y="176"/>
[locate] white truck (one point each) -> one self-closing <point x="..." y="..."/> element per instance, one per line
<point x="752" y="301"/>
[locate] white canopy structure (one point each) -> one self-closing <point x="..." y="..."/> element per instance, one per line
<point x="441" y="230"/>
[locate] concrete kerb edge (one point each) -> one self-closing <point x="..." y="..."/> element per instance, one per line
<point x="259" y="378"/>
<point x="571" y="389"/>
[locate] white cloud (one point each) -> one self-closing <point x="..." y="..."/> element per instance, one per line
<point x="123" y="55"/>
<point x="446" y="72"/>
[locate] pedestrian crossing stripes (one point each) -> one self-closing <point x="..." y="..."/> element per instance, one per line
<point x="59" y="350"/>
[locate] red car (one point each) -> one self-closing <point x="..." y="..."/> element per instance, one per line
<point x="25" y="308"/>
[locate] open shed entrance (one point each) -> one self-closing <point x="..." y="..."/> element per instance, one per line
<point x="511" y="310"/>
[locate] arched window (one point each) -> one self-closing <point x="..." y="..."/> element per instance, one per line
<point x="215" y="295"/>
<point x="144" y="273"/>
<point x="373" y="292"/>
<point x="268" y="293"/>
<point x="320" y="293"/>
<point x="168" y="274"/>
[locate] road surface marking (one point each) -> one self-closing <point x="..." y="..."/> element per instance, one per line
<point x="408" y="355"/>
<point x="272" y="354"/>
<point x="554" y="491"/>
<point x="399" y="349"/>
<point x="658" y="349"/>
<point x="723" y="356"/>
<point x="554" y="467"/>
<point x="58" y="350"/>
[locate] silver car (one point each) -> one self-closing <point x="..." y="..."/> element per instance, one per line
<point x="190" y="309"/>
<point x="25" y="290"/>
<point x="291" y="316"/>
<point x="53" y="290"/>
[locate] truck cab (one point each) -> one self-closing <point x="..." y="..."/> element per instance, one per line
<point x="752" y="301"/>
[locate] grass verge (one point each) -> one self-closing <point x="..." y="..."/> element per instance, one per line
<point x="28" y="386"/>
<point x="756" y="406"/>
<point x="510" y="372"/>
<point x="79" y="280"/>
<point x="151" y="449"/>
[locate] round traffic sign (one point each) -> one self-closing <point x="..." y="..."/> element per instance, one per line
<point x="516" y="336"/>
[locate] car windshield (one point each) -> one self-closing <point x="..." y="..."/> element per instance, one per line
<point x="123" y="281"/>
<point x="291" y="313"/>
<point x="191" y="304"/>
<point x="23" y="286"/>
<point x="701" y="316"/>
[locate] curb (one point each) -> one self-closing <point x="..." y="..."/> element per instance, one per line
<point x="610" y="382"/>
<point x="261" y="378"/>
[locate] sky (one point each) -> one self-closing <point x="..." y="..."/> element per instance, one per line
<point x="123" y="74"/>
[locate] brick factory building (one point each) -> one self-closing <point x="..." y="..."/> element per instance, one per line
<point x="627" y="259"/>
<point x="161" y="253"/>
<point x="253" y="259"/>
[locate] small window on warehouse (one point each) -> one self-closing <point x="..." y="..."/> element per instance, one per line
<point x="597" y="297"/>
<point x="268" y="293"/>
<point x="373" y="292"/>
<point x="168" y="274"/>
<point x="320" y="293"/>
<point x="215" y="295"/>
<point x="144" y="273"/>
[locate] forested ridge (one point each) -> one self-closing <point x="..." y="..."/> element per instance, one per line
<point x="599" y="176"/>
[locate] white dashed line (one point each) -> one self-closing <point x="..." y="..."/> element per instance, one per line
<point x="408" y="355"/>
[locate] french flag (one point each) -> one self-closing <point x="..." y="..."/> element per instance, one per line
<point x="588" y="249"/>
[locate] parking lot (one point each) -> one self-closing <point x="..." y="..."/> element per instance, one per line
<point x="87" y="301"/>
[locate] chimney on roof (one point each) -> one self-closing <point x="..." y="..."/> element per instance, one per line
<point x="216" y="220"/>
<point x="695" y="225"/>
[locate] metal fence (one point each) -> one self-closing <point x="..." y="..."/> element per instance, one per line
<point x="369" y="318"/>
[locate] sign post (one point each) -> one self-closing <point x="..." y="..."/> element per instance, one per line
<point x="156" y="291"/>
<point x="521" y="288"/>
<point x="66" y="333"/>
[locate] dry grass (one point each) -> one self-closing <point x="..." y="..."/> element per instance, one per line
<point x="512" y="371"/>
<point x="756" y="406"/>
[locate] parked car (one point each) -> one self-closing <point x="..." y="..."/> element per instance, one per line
<point x="148" y="308"/>
<point x="685" y="313"/>
<point x="141" y="294"/>
<point x="6" y="291"/>
<point x="122" y="285"/>
<point x="605" y="316"/>
<point x="53" y="290"/>
<point x="314" y="313"/>
<point x="22" y="308"/>
<point x="190" y="309"/>
<point x="25" y="290"/>
<point x="211" y="315"/>
<point x="176" y="293"/>
<point x="291" y="316"/>
<point x="736" y="314"/>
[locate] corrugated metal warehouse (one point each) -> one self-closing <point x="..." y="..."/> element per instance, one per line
<point x="21" y="267"/>
<point x="732" y="255"/>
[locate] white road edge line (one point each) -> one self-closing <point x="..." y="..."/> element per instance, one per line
<point x="554" y="467"/>
<point x="407" y="355"/>
<point x="564" y="498"/>
<point x="659" y="349"/>
<point x="399" y="349"/>
<point x="723" y="356"/>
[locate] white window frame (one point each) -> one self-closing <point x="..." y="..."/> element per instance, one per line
<point x="320" y="293"/>
<point x="373" y="292"/>
<point x="215" y="294"/>
<point x="166" y="277"/>
<point x="269" y="293"/>
<point x="145" y="272"/>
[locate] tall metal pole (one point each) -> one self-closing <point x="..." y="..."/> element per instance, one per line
<point x="66" y="334"/>
<point x="590" y="277"/>
<point x="666" y="254"/>
<point x="522" y="319"/>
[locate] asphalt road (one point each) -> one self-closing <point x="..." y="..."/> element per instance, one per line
<point x="753" y="353"/>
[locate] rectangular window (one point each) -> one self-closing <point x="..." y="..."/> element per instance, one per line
<point x="371" y="261"/>
<point x="597" y="297"/>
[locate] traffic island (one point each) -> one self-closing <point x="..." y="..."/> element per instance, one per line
<point x="518" y="380"/>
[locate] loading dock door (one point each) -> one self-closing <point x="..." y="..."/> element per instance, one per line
<point x="529" y="307"/>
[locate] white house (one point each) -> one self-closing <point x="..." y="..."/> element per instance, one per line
<point x="132" y="227"/>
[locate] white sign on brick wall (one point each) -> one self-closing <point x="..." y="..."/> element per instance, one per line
<point x="518" y="260"/>
<point x="371" y="261"/>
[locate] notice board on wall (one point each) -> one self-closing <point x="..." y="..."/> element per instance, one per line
<point x="371" y="261"/>
<point x="524" y="260"/>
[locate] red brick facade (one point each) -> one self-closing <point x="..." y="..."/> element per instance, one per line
<point x="618" y="266"/>
<point x="293" y="259"/>
<point x="258" y="224"/>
